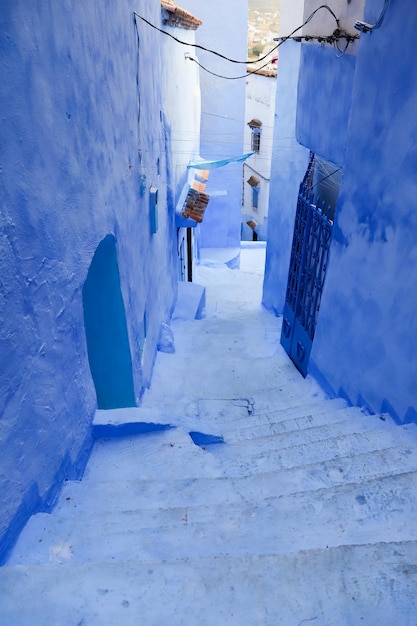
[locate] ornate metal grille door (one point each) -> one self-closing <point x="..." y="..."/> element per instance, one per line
<point x="308" y="263"/>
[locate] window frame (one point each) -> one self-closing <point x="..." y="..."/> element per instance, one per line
<point x="256" y="140"/>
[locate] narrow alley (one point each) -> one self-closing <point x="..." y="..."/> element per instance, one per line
<point x="237" y="493"/>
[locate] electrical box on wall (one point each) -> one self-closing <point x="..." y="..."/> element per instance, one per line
<point x="153" y="209"/>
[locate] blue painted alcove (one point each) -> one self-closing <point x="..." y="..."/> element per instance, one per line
<point x="106" y="331"/>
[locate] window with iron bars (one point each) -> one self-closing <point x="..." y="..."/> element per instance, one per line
<point x="256" y="140"/>
<point x="256" y="127"/>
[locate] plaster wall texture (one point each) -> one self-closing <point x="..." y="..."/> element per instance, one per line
<point x="291" y="16"/>
<point x="260" y="104"/>
<point x="182" y="104"/>
<point x="224" y="30"/>
<point x="324" y="100"/>
<point x="366" y="341"/>
<point x="323" y="23"/>
<point x="289" y="162"/>
<point x="182" y="119"/>
<point x="82" y="142"/>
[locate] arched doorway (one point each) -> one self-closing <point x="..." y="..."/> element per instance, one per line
<point x="106" y="331"/>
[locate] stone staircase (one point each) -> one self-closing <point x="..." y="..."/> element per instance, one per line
<point x="300" y="514"/>
<point x="304" y="511"/>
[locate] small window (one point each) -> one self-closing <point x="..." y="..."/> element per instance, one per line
<point x="252" y="224"/>
<point x="255" y="197"/>
<point x="255" y="184"/>
<point x="256" y="140"/>
<point x="256" y="127"/>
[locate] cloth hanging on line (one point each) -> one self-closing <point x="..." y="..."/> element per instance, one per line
<point x="212" y="165"/>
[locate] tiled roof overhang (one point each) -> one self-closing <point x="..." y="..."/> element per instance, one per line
<point x="267" y="73"/>
<point x="253" y="181"/>
<point x="173" y="15"/>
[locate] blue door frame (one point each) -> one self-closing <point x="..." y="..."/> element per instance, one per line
<point x="308" y="264"/>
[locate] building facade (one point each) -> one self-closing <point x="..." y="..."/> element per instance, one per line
<point x="89" y="174"/>
<point x="259" y="116"/>
<point x="354" y="106"/>
<point x="182" y="116"/>
<point x="224" y="30"/>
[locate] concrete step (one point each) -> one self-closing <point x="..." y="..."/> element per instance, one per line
<point x="120" y="495"/>
<point x="237" y="449"/>
<point x="307" y="453"/>
<point x="371" y="584"/>
<point x="383" y="509"/>
<point x="297" y="436"/>
<point x="247" y="412"/>
<point x="300" y="422"/>
<point x="257" y="409"/>
<point x="286" y="391"/>
<point x="172" y="453"/>
<point x="228" y="374"/>
<point x="161" y="455"/>
<point x="191" y="301"/>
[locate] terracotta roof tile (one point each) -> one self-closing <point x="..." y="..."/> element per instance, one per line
<point x="201" y="187"/>
<point x="195" y="205"/>
<point x="253" y="181"/>
<point x="173" y="15"/>
<point x="255" y="123"/>
<point x="203" y="174"/>
<point x="267" y="73"/>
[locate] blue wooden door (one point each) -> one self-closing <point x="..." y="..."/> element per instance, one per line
<point x="308" y="264"/>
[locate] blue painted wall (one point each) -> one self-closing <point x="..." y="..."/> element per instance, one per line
<point x="361" y="114"/>
<point x="289" y="162"/>
<point x="83" y="140"/>
<point x="224" y="29"/>
<point x="324" y="100"/>
<point x="367" y="337"/>
<point x="182" y="108"/>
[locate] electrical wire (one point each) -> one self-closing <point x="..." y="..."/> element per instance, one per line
<point x="247" y="61"/>
<point x="181" y="144"/>
<point x="368" y="28"/>
<point x="259" y="69"/>
<point x="183" y="139"/>
<point x="310" y="17"/>
<point x="338" y="33"/>
<point x="333" y="39"/>
<point x="342" y="52"/>
<point x="326" y="177"/>
<point x="342" y="33"/>
<point x="381" y="17"/>
<point x="194" y="45"/>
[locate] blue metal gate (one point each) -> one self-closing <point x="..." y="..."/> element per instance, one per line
<point x="308" y="263"/>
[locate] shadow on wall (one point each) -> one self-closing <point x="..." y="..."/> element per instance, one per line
<point x="106" y="330"/>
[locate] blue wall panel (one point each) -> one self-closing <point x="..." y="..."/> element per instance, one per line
<point x="289" y="163"/>
<point x="366" y="341"/>
<point x="223" y="114"/>
<point x="324" y="98"/>
<point x="359" y="114"/>
<point x="83" y="140"/>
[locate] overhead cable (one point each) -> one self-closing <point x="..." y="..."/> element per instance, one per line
<point x="258" y="69"/>
<point x="364" y="27"/>
<point x="222" y="56"/>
